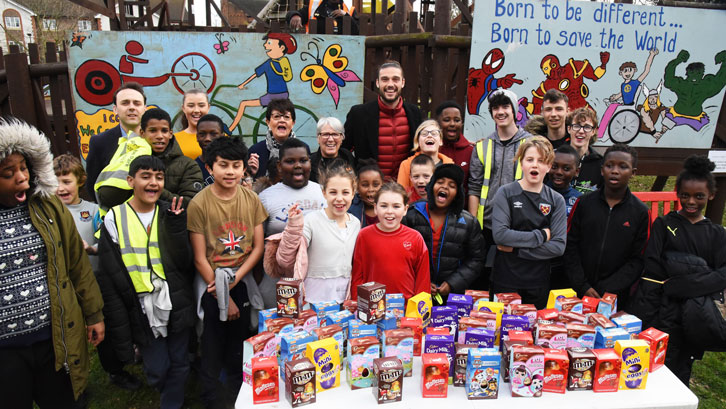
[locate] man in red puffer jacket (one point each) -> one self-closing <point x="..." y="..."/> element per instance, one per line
<point x="383" y="129"/>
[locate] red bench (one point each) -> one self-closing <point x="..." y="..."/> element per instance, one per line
<point x="656" y="199"/>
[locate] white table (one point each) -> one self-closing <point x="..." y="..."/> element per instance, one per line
<point x="663" y="390"/>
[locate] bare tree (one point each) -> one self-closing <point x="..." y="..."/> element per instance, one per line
<point x="54" y="20"/>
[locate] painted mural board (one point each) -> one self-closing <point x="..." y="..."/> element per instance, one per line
<point x="320" y="74"/>
<point x="654" y="75"/>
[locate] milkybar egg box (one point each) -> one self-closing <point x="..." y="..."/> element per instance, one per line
<point x="551" y="336"/>
<point x="371" y="302"/>
<point x="289" y="297"/>
<point x="387" y="380"/>
<point x="361" y="353"/>
<point x="325" y="355"/>
<point x="526" y="310"/>
<point x="460" y="362"/>
<point x="435" y="375"/>
<point x="508" y="299"/>
<point x="420" y="306"/>
<point x="635" y="363"/>
<point x="559" y="294"/>
<point x="607" y="374"/>
<point x="557" y="364"/>
<point x="658" y="341"/>
<point x="477" y="295"/>
<point x="265" y="380"/>
<point x="526" y="371"/>
<point x="262" y="344"/>
<point x="482" y="373"/>
<point x="582" y="369"/>
<point x="399" y="343"/>
<point x="300" y="382"/>
<point x="580" y="335"/>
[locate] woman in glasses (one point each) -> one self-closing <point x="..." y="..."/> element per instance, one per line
<point x="330" y="136"/>
<point x="583" y="133"/>
<point x="426" y="141"/>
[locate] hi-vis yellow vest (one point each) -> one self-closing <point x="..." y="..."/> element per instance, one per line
<point x="489" y="153"/>
<point x="114" y="174"/>
<point x="139" y="249"/>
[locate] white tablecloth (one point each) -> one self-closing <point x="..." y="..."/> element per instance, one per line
<point x="663" y="390"/>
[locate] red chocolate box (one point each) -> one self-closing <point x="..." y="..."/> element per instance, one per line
<point x="607" y="377"/>
<point x="265" y="380"/>
<point x="557" y="363"/>
<point x="435" y="374"/>
<point x="658" y="341"/>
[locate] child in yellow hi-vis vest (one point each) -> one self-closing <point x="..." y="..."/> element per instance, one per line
<point x="492" y="165"/>
<point x="146" y="278"/>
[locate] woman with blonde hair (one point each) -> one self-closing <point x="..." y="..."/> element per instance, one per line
<point x="426" y="141"/>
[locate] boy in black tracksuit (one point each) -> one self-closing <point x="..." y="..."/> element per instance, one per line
<point x="607" y="232"/>
<point x="529" y="226"/>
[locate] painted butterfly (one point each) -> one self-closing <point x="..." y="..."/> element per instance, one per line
<point x="329" y="73"/>
<point x="78" y="39"/>
<point x="222" y="46"/>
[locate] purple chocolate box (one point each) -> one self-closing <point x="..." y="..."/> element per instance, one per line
<point x="513" y="323"/>
<point x="441" y="344"/>
<point x="483" y="338"/>
<point x="462" y="303"/>
<point x="445" y="317"/>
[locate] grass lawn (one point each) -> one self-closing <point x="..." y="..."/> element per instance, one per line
<point x="708" y="381"/>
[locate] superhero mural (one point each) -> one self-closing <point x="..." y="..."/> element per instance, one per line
<point x="649" y="73"/>
<point x="240" y="72"/>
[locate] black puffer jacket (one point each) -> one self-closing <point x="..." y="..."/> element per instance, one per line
<point x="461" y="249"/>
<point x="182" y="176"/>
<point x="126" y="324"/>
<point x="690" y="258"/>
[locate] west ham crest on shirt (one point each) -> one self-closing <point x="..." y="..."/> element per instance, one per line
<point x="545" y="208"/>
<point x="85" y="215"/>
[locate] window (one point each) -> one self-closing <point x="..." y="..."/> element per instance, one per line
<point x="84" y="25"/>
<point x="12" y="21"/>
<point x="49" y="24"/>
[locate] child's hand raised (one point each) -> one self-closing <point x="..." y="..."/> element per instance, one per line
<point x="295" y="216"/>
<point x="176" y="205"/>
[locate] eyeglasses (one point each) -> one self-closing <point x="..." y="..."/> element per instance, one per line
<point x="435" y="132"/>
<point x="577" y="127"/>
<point x="278" y="117"/>
<point x="327" y="135"/>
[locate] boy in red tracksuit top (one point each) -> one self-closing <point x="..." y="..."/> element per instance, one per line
<point x="390" y="253"/>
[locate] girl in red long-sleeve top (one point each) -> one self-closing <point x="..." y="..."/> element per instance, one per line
<point x="390" y="253"/>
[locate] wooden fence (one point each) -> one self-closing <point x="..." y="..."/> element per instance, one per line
<point x="435" y="59"/>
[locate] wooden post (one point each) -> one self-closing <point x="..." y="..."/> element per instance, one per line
<point x="21" y="93"/>
<point x="715" y="208"/>
<point x="442" y="26"/>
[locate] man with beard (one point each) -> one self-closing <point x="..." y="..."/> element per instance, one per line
<point x="383" y="129"/>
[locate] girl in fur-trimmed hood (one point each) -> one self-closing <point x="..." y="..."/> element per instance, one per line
<point x="53" y="307"/>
